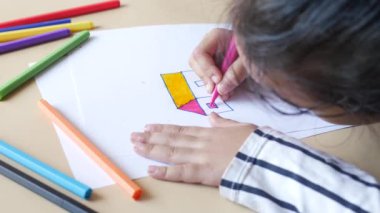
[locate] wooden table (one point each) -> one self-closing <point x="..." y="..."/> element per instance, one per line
<point x="23" y="125"/>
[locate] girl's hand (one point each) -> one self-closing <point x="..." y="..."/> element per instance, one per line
<point x="203" y="63"/>
<point x="196" y="154"/>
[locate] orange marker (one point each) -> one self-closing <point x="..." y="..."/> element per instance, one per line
<point x="90" y="149"/>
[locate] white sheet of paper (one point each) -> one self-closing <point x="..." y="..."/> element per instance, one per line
<point x="112" y="86"/>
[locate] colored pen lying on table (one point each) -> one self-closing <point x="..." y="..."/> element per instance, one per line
<point x="91" y="150"/>
<point x="229" y="58"/>
<point x="45" y="170"/>
<point x="43" y="64"/>
<point x="34" y="40"/>
<point x="67" y="13"/>
<point x="73" y="27"/>
<point x="42" y="189"/>
<point x="41" y="24"/>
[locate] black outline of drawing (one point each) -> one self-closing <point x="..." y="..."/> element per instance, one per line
<point x="196" y="83"/>
<point x="229" y="108"/>
<point x="210" y="107"/>
<point x="196" y="98"/>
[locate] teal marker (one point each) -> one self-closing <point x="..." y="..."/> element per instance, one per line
<point x="45" y="171"/>
<point x="43" y="64"/>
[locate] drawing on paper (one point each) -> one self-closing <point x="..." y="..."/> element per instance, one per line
<point x="188" y="94"/>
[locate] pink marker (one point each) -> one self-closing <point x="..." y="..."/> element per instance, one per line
<point x="229" y="58"/>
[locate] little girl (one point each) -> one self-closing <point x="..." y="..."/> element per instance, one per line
<point x="322" y="56"/>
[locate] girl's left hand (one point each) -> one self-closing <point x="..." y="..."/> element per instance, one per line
<point x="196" y="154"/>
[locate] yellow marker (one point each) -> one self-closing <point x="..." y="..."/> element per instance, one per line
<point x="73" y="27"/>
<point x="178" y="88"/>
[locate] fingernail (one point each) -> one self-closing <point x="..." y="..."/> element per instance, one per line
<point x="139" y="146"/>
<point x="137" y="137"/>
<point x="222" y="89"/>
<point x="215" y="79"/>
<point x="152" y="170"/>
<point x="209" y="88"/>
<point x="148" y="128"/>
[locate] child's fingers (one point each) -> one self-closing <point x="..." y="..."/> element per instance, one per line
<point x="202" y="59"/>
<point x="204" y="66"/>
<point x="203" y="74"/>
<point x="166" y="154"/>
<point x="162" y="138"/>
<point x="175" y="129"/>
<point x="217" y="121"/>
<point x="234" y="76"/>
<point x="189" y="173"/>
<point x="227" y="96"/>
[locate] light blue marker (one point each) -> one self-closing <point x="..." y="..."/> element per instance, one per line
<point x="41" y="24"/>
<point x="45" y="171"/>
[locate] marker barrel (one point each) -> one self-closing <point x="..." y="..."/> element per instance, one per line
<point x="41" y="24"/>
<point x="91" y="150"/>
<point x="67" y="13"/>
<point x="42" y="189"/>
<point x="45" y="171"/>
<point x="43" y="64"/>
<point x="18" y="34"/>
<point x="34" y="40"/>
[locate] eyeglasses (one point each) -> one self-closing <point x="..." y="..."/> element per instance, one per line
<point x="276" y="102"/>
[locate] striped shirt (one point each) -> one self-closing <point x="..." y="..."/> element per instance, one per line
<point x="273" y="172"/>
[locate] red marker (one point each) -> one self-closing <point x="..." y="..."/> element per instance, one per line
<point x="76" y="11"/>
<point x="228" y="60"/>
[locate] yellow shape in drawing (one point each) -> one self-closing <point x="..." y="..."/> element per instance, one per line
<point x="178" y="88"/>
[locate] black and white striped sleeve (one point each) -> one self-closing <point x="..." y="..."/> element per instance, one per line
<point x="276" y="173"/>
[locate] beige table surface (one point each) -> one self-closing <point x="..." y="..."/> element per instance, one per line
<point x="22" y="124"/>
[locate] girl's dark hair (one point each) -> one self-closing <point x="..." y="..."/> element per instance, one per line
<point x="328" y="48"/>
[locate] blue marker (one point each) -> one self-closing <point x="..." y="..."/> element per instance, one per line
<point x="41" y="24"/>
<point x="45" y="171"/>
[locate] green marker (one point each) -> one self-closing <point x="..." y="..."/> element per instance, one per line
<point x="43" y="64"/>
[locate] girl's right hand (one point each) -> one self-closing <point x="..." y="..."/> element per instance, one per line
<point x="203" y="63"/>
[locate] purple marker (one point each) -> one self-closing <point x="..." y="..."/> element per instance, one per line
<point x="41" y="24"/>
<point x="34" y="40"/>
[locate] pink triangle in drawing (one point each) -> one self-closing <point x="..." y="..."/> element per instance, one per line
<point x="193" y="106"/>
